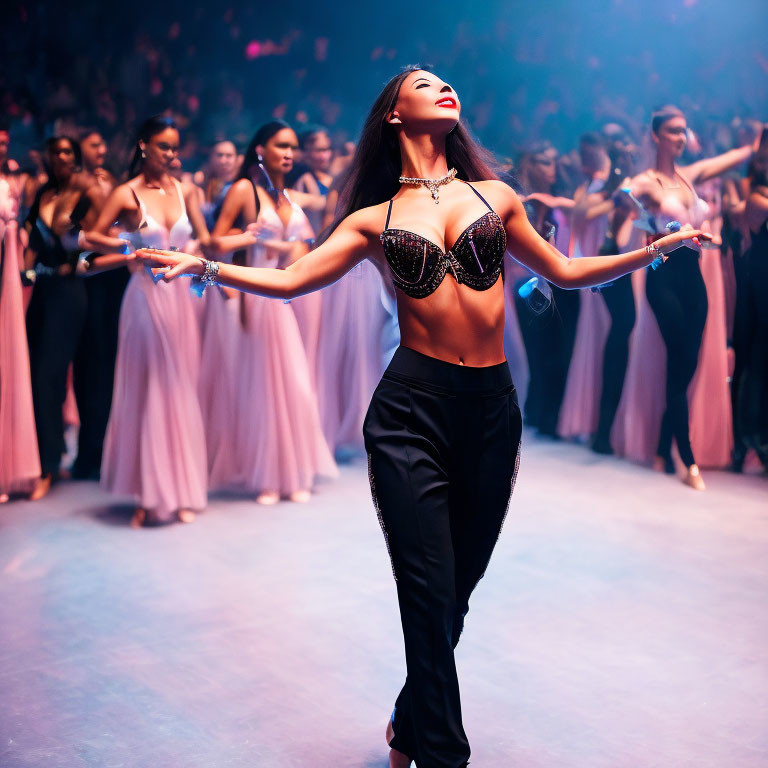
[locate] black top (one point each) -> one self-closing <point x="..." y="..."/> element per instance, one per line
<point x="418" y="265"/>
<point x="50" y="250"/>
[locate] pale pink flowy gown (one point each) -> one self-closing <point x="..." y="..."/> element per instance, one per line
<point x="709" y="398"/>
<point x="221" y="332"/>
<point x="350" y="358"/>
<point x="19" y="458"/>
<point x="278" y="439"/>
<point x="154" y="449"/>
<point x="580" y="410"/>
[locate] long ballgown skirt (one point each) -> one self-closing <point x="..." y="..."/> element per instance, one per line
<point x="279" y="442"/>
<point x="154" y="448"/>
<point x="19" y="458"/>
<point x="350" y="357"/>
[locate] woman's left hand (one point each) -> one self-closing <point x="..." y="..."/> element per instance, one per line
<point x="169" y="265"/>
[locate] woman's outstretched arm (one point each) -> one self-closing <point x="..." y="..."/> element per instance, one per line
<point x="345" y="248"/>
<point x="525" y="245"/>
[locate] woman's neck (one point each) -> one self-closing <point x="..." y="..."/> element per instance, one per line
<point x="423" y="156"/>
<point x="665" y="164"/>
<point x="157" y="179"/>
<point x="540" y="186"/>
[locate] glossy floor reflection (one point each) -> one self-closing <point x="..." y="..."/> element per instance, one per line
<point x="622" y="624"/>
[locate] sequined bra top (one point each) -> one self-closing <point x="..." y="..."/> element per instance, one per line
<point x="418" y="265"/>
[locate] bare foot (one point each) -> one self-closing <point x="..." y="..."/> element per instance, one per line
<point x="300" y="497"/>
<point x="3" y="498"/>
<point x="693" y="478"/>
<point x="268" y="498"/>
<point x="139" y="517"/>
<point x="42" y="486"/>
<point x="398" y="759"/>
<point x="186" y="516"/>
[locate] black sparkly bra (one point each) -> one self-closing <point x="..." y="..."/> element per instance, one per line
<point x="418" y="265"/>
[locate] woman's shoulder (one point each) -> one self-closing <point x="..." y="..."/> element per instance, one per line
<point x="370" y="220"/>
<point x="499" y="195"/>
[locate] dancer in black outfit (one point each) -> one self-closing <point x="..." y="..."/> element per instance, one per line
<point x="443" y="426"/>
<point x="58" y="305"/>
<point x="618" y="298"/>
<point x="94" y="365"/>
<point x="677" y="294"/>
<point x="548" y="337"/>
<point x="752" y="412"/>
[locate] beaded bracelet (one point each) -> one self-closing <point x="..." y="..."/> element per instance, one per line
<point x="659" y="256"/>
<point x="209" y="277"/>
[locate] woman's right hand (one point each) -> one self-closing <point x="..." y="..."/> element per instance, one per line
<point x="169" y="265"/>
<point x="686" y="237"/>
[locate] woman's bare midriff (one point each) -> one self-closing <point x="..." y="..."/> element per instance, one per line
<point x="455" y="323"/>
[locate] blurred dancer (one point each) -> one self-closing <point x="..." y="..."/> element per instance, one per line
<point x="94" y="151"/>
<point x="58" y="306"/>
<point x="221" y="172"/>
<point x="94" y="366"/>
<point x="154" y="449"/>
<point x="19" y="457"/>
<point x="548" y="337"/>
<point x="579" y="410"/>
<point x="277" y="435"/>
<point x="677" y="295"/>
<point x="752" y="410"/>
<point x="318" y="153"/>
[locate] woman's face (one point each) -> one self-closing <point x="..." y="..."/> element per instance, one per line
<point x="671" y="137"/>
<point x="61" y="158"/>
<point x="277" y="153"/>
<point x="319" y="152"/>
<point x="543" y="169"/>
<point x="425" y="100"/>
<point x="161" y="150"/>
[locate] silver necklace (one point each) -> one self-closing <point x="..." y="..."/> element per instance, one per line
<point x="433" y="185"/>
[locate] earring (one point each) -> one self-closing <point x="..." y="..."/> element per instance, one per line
<point x="143" y="154"/>
<point x="261" y="160"/>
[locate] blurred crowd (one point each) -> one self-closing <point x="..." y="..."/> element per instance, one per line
<point x="567" y="126"/>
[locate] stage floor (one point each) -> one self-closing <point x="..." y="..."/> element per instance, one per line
<point x="623" y="623"/>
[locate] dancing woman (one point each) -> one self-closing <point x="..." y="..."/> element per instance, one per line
<point x="57" y="309"/>
<point x="277" y="436"/>
<point x="154" y="448"/>
<point x="443" y="428"/>
<point x="677" y="295"/>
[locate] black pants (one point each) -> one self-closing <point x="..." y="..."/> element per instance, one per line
<point x="751" y="415"/>
<point x="621" y="307"/>
<point x="549" y="339"/>
<point x="678" y="298"/>
<point x="95" y="367"/>
<point x="54" y="322"/>
<point x="443" y="445"/>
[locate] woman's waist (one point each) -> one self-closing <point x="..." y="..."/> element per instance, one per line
<point x="414" y="368"/>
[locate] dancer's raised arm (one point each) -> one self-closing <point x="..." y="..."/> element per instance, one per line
<point x="352" y="241"/>
<point x="709" y="167"/>
<point x="525" y="245"/>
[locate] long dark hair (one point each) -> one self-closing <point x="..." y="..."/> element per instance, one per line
<point x="149" y="128"/>
<point x="376" y="165"/>
<point x="252" y="167"/>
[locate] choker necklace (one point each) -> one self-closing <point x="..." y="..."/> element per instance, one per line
<point x="433" y="185"/>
